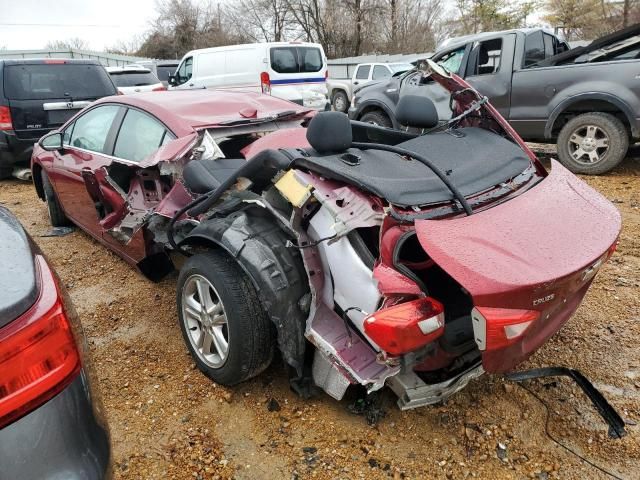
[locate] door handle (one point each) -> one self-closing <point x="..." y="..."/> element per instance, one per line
<point x="191" y="84"/>
<point x="355" y="83"/>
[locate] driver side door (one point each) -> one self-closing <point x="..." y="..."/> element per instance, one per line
<point x="184" y="75"/>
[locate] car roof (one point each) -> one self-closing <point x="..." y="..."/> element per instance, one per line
<point x="128" y="69"/>
<point x="454" y="42"/>
<point x="184" y="111"/>
<point x="43" y="61"/>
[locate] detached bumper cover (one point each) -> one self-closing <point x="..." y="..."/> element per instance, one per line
<point x="60" y="439"/>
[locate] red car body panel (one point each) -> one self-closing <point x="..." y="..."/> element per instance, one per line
<point x="72" y="171"/>
<point x="538" y="251"/>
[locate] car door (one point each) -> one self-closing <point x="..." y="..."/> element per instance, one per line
<point x="489" y="72"/>
<point x="87" y="145"/>
<point x="123" y="192"/>
<point x="184" y="75"/>
<point x="363" y="73"/>
<point x="380" y="72"/>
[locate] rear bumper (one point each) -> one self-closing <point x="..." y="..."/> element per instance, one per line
<point x="61" y="439"/>
<point x="14" y="150"/>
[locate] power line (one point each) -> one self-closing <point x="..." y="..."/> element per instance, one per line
<point x="88" y="25"/>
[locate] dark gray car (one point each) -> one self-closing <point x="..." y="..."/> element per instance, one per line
<point x="587" y="100"/>
<point x="50" y="422"/>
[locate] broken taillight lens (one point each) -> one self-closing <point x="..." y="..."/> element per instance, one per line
<point x="406" y="327"/>
<point x="496" y="328"/>
<point x="160" y="88"/>
<point x="38" y="353"/>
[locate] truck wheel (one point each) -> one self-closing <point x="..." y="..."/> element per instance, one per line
<point x="56" y="215"/>
<point x="592" y="143"/>
<point x="377" y="118"/>
<point x="340" y="102"/>
<point x="223" y="323"/>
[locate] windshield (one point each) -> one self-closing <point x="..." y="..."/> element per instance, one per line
<point x="452" y="61"/>
<point x="58" y="80"/>
<point x="134" y="79"/>
<point x="164" y="71"/>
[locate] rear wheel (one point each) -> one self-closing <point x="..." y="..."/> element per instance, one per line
<point x="56" y="215"/>
<point x="340" y="102"/>
<point x="377" y="118"/>
<point x="592" y="143"/>
<point x="223" y="323"/>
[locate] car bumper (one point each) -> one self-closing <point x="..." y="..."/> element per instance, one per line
<point x="61" y="439"/>
<point x="14" y="150"/>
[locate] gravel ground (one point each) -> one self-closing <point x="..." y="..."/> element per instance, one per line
<point x="169" y="421"/>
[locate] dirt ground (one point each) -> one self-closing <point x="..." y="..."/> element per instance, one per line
<point x="168" y="421"/>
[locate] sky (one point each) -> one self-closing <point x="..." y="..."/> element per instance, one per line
<point x="31" y="24"/>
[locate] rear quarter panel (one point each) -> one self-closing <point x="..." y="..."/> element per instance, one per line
<point x="540" y="94"/>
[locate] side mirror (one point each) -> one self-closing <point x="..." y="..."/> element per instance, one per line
<point x="172" y="80"/>
<point x="52" y="141"/>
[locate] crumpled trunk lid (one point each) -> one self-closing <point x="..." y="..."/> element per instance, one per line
<point x="538" y="251"/>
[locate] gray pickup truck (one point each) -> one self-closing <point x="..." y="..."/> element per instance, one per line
<point x="587" y="99"/>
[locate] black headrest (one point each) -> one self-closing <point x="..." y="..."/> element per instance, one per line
<point x="329" y="132"/>
<point x="416" y="111"/>
<point x="483" y="56"/>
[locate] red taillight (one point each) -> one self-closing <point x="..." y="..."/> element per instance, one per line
<point x="161" y="88"/>
<point x="496" y="328"/>
<point x="326" y="74"/>
<point x="265" y="83"/>
<point x="54" y="61"/>
<point x="5" y="118"/>
<point x="406" y="327"/>
<point x="38" y="353"/>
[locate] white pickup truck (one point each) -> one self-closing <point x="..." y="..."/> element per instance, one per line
<point x="341" y="89"/>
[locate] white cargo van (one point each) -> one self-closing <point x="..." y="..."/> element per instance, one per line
<point x="295" y="71"/>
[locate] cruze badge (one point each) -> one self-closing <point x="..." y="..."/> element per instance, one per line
<point x="541" y="300"/>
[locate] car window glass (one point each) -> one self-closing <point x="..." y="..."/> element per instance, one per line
<point x="485" y="58"/>
<point x="164" y="71"/>
<point x="66" y="135"/>
<point x="184" y="71"/>
<point x="533" y="49"/>
<point x="56" y="80"/>
<point x="363" y="72"/>
<point x="452" y="61"/>
<point x="91" y="129"/>
<point x="296" y="59"/>
<point x="134" y="79"/>
<point x="380" y="72"/>
<point x="139" y="136"/>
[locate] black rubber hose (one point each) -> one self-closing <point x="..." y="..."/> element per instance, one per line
<point x="425" y="161"/>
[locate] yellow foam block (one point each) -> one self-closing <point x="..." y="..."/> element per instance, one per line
<point x="293" y="188"/>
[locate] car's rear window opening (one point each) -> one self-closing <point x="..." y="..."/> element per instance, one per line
<point x="64" y="80"/>
<point x="133" y="79"/>
<point x="296" y="59"/>
<point x="164" y="71"/>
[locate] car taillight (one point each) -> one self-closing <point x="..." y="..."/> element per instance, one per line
<point x="54" y="61"/>
<point x="496" y="328"/>
<point x="406" y="327"/>
<point x="5" y="118"/>
<point x="161" y="88"/>
<point x="265" y="83"/>
<point x="38" y="353"/>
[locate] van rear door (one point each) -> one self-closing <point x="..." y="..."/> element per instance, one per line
<point x="42" y="95"/>
<point x="297" y="72"/>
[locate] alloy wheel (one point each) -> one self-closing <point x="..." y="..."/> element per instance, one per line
<point x="588" y="144"/>
<point x="206" y="321"/>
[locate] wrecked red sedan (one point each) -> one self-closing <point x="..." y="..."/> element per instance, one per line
<point x="413" y="259"/>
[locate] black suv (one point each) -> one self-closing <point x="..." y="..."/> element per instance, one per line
<point x="37" y="96"/>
